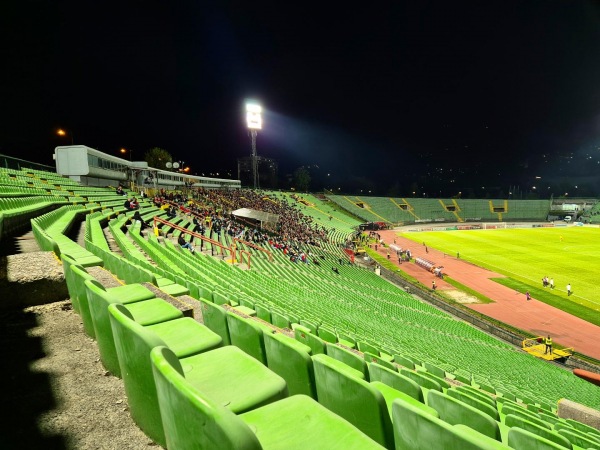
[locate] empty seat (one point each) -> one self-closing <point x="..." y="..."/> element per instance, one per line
<point x="193" y="419"/>
<point x="145" y="312"/>
<point x="215" y="318"/>
<point x="455" y="412"/>
<point x="474" y="402"/>
<point x="372" y="358"/>
<point x="302" y="334"/>
<point x="415" y="429"/>
<point x="291" y="360"/>
<point x="233" y="379"/>
<point x="525" y="414"/>
<point x="327" y="334"/>
<point x="579" y="438"/>
<point x="480" y="395"/>
<point x="128" y="293"/>
<point x="247" y="335"/>
<point x="342" y="390"/>
<point x="515" y="421"/>
<point x="395" y="380"/>
<point x="520" y="439"/>
<point x="347" y="357"/>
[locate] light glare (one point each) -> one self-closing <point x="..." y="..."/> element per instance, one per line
<point x="253" y="116"/>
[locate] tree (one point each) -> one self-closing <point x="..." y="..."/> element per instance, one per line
<point x="302" y="178"/>
<point x="157" y="158"/>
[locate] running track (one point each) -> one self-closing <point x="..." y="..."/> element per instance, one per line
<point x="533" y="316"/>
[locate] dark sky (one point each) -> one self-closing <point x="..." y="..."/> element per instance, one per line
<point x="433" y="96"/>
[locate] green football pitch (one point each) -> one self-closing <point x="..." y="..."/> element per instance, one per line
<point x="567" y="254"/>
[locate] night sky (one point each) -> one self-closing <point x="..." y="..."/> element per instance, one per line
<point x="431" y="97"/>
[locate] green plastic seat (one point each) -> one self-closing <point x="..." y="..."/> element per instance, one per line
<point x="215" y="318"/>
<point x="303" y="334"/>
<point x="145" y="312"/>
<point x="343" y="390"/>
<point x="395" y="380"/>
<point x="247" y="335"/>
<point x="520" y="439"/>
<point x="347" y="357"/>
<point x="515" y="421"/>
<point x="454" y="412"/>
<point x="415" y="429"/>
<point x="578" y="438"/>
<point x="193" y="419"/>
<point x="474" y="402"/>
<point x="232" y="378"/>
<point x="128" y="293"/>
<point x="291" y="360"/>
<point x="372" y="358"/>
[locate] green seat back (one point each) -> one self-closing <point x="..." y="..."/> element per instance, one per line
<point x="215" y="318"/>
<point x="327" y="334"/>
<point x="395" y="380"/>
<point x="421" y="380"/>
<point x="342" y="390"/>
<point x="515" y="421"/>
<point x="146" y="312"/>
<point x="186" y="411"/>
<point x="455" y="412"/>
<point x="263" y="312"/>
<point x="347" y="357"/>
<point x="578" y="438"/>
<point x="371" y="358"/>
<point x="316" y="344"/>
<point x="520" y="439"/>
<point x="415" y="429"/>
<point x="280" y="319"/>
<point x="290" y="359"/>
<point x="246" y="335"/>
<point x="474" y="402"/>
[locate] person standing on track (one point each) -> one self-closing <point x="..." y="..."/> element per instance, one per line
<point x="548" y="342"/>
<point x="527" y="295"/>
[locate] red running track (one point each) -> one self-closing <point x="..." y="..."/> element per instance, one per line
<point x="512" y="308"/>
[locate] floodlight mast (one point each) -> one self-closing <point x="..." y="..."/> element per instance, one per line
<point x="254" y="122"/>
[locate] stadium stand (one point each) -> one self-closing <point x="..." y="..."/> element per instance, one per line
<point x="296" y="337"/>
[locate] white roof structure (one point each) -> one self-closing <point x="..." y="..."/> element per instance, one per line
<point x="253" y="214"/>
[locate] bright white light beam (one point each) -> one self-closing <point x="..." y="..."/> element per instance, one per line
<point x="253" y="116"/>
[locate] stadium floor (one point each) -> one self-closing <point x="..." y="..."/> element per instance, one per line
<point x="509" y="306"/>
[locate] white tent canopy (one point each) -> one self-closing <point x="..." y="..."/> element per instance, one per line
<point x="259" y="216"/>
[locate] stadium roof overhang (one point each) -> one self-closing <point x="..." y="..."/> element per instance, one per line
<point x="259" y="216"/>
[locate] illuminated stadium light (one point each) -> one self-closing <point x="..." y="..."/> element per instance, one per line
<point x="253" y="116"/>
<point x="254" y="122"/>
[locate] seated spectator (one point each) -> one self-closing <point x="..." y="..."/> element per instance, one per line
<point x="184" y="244"/>
<point x="335" y="269"/>
<point x="134" y="203"/>
<point x="137" y="217"/>
<point x="172" y="212"/>
<point x="127" y="204"/>
<point x="120" y="190"/>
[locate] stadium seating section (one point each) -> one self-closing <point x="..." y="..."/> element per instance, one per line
<point x="281" y="354"/>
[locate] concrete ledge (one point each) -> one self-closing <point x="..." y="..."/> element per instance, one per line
<point x="568" y="409"/>
<point x="31" y="279"/>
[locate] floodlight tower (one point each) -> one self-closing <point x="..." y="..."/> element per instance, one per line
<point x="254" y="122"/>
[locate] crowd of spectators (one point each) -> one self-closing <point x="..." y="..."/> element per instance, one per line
<point x="211" y="212"/>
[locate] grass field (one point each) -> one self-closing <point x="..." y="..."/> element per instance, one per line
<point x="569" y="255"/>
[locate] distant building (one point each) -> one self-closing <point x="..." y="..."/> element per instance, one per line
<point x="267" y="172"/>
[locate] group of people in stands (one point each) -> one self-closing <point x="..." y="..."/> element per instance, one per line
<point x="210" y="210"/>
<point x="131" y="204"/>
